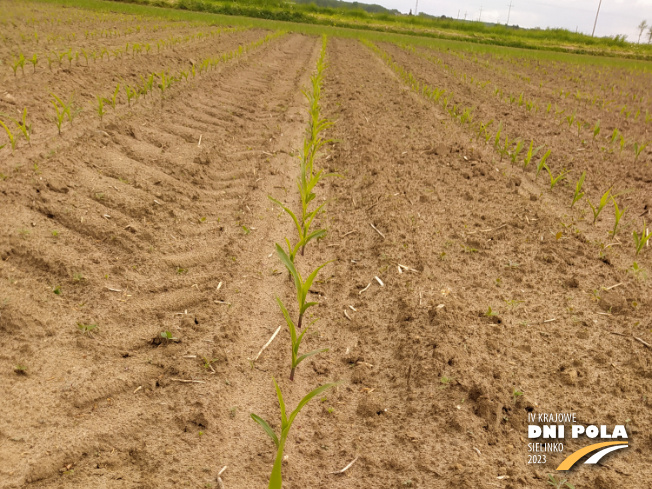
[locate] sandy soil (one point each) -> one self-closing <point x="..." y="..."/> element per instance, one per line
<point x="133" y="225"/>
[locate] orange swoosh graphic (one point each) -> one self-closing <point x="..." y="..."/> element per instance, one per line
<point x="574" y="457"/>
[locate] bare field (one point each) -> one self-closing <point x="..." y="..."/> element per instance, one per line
<point x="138" y="275"/>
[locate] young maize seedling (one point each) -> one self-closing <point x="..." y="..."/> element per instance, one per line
<point x="641" y="239"/>
<point x="638" y="149"/>
<point x="100" y="107"/>
<point x="114" y="98"/>
<point x="20" y="63"/>
<point x="598" y="209"/>
<point x="303" y="229"/>
<point x="578" y="189"/>
<point x="25" y="128"/>
<point x="34" y="60"/>
<point x="555" y="180"/>
<point x="302" y="287"/>
<point x="596" y="130"/>
<point x="482" y="131"/>
<point x="622" y="143"/>
<point x="62" y="110"/>
<point x="131" y="93"/>
<point x="517" y="150"/>
<point x="165" y="82"/>
<point x="276" y="479"/>
<point x="12" y="140"/>
<point x="570" y="119"/>
<point x="531" y="153"/>
<point x="614" y="135"/>
<point x="466" y="116"/>
<point x="504" y="151"/>
<point x="497" y="139"/>
<point x="296" y="340"/>
<point x="618" y="214"/>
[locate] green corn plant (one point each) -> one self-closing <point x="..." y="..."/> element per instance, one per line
<point x="23" y="127"/>
<point x="34" y="60"/>
<point x="497" y="138"/>
<point x="517" y="150"/>
<point x="482" y="130"/>
<point x="614" y="135"/>
<point x="466" y="117"/>
<point x="131" y="93"/>
<point x="100" y="107"/>
<point x="638" y="149"/>
<point x="114" y="97"/>
<point x="531" y="153"/>
<point x="596" y="130"/>
<point x="276" y="479"/>
<point x="164" y="84"/>
<point x="504" y="151"/>
<point x="303" y="229"/>
<point x="618" y="214"/>
<point x="302" y="287"/>
<point x="61" y="110"/>
<point x="598" y="209"/>
<point x="296" y="341"/>
<point x="19" y="63"/>
<point x="578" y="189"/>
<point x="622" y="143"/>
<point x="570" y="119"/>
<point x="12" y="140"/>
<point x="555" y="180"/>
<point x="641" y="239"/>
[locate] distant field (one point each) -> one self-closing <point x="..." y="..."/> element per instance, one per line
<point x="476" y="32"/>
<point x="481" y="215"/>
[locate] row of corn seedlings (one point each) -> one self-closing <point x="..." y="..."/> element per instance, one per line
<point x="512" y="149"/>
<point x="50" y="20"/>
<point x="308" y="178"/>
<point x="21" y="125"/>
<point x="129" y="50"/>
<point x="504" y="147"/>
<point x="640" y="239"/>
<point x="531" y="106"/>
<point x="303" y="220"/>
<point x="163" y="80"/>
<point x="70" y="109"/>
<point x="588" y="81"/>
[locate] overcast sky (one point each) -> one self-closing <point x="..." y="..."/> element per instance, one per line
<point x="616" y="16"/>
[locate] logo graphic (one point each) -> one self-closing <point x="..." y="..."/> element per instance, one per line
<point x="600" y="449"/>
<point x="547" y="433"/>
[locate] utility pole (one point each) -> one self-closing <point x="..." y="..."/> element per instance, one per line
<point x="458" y="14"/>
<point x="596" y="18"/>
<point x="480" y="18"/>
<point x="509" y="12"/>
<point x="416" y="7"/>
